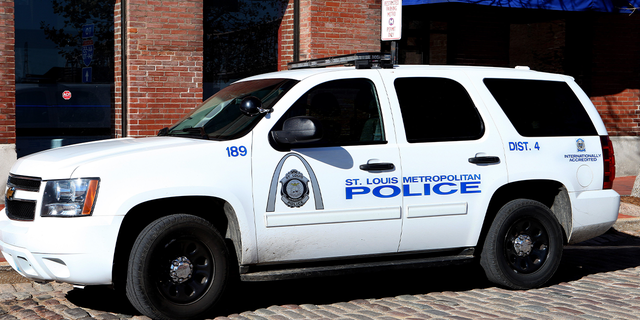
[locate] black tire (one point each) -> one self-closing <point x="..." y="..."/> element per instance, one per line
<point x="523" y="247"/>
<point x="190" y="248"/>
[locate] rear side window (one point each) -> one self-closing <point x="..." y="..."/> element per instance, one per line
<point x="437" y="109"/>
<point x="538" y="108"/>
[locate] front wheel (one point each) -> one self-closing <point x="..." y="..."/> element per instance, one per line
<point x="178" y="268"/>
<point x="523" y="247"/>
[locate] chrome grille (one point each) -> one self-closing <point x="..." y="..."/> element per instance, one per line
<point x="25" y="183"/>
<point x="20" y="210"/>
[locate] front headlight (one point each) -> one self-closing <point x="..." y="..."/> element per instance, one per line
<point x="69" y="198"/>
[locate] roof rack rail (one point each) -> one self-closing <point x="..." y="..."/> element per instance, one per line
<point x="362" y="60"/>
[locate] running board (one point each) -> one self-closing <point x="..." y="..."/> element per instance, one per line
<point x="466" y="256"/>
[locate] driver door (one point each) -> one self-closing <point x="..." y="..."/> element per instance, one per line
<point x="339" y="196"/>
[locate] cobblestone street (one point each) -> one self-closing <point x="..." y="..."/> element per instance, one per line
<point x="598" y="279"/>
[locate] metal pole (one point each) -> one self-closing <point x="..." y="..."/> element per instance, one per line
<point x="394" y="52"/>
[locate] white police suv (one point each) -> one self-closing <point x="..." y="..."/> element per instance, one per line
<point x="398" y="164"/>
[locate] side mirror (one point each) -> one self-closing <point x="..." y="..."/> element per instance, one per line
<point x="252" y="106"/>
<point x="299" y="130"/>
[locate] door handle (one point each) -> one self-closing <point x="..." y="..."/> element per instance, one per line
<point x="484" y="160"/>
<point x="381" y="166"/>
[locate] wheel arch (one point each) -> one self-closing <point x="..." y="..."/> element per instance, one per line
<point x="552" y="194"/>
<point x="217" y="211"/>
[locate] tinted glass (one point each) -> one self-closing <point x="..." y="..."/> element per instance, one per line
<point x="64" y="72"/>
<point x="437" y="109"/>
<point x="539" y="108"/>
<point x="348" y="111"/>
<point x="240" y="40"/>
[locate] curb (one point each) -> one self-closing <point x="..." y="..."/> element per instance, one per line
<point x="4" y="266"/>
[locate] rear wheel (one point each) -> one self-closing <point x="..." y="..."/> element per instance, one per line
<point x="178" y="268"/>
<point x="524" y="245"/>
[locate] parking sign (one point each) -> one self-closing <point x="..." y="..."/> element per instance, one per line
<point x="391" y="20"/>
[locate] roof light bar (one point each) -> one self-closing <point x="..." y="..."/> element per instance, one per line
<point x="362" y="60"/>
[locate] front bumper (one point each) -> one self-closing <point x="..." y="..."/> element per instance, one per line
<point x="73" y="250"/>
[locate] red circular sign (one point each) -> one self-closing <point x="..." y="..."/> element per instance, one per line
<point x="66" y="95"/>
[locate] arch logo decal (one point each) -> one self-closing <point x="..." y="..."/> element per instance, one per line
<point x="294" y="191"/>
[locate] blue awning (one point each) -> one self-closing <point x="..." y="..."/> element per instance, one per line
<point x="620" y="6"/>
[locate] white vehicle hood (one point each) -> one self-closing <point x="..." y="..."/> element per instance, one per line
<point x="60" y="163"/>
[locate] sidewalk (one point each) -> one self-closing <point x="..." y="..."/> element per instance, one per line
<point x="624" y="185"/>
<point x="628" y="214"/>
<point x="3" y="261"/>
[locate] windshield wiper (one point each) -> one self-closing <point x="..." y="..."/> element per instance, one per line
<point x="199" y="131"/>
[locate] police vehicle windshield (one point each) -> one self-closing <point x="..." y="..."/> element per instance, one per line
<point x="220" y="118"/>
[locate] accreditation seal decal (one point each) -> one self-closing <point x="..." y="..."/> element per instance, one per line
<point x="294" y="191"/>
<point x="581" y="145"/>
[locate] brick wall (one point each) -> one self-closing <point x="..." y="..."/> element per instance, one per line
<point x="330" y="28"/>
<point x="285" y="37"/>
<point x="7" y="76"/>
<point x="620" y="112"/>
<point x="164" y="63"/>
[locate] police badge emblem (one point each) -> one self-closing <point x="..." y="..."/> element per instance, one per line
<point x="581" y="145"/>
<point x="294" y="191"/>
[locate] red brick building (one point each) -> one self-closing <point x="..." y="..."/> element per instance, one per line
<point x="132" y="67"/>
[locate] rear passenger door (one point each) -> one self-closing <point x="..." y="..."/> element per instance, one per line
<point x="452" y="158"/>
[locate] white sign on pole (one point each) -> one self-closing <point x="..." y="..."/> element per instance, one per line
<point x="391" y="20"/>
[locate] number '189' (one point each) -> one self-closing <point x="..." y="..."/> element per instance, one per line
<point x="236" y="151"/>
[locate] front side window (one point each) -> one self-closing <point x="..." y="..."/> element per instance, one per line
<point x="538" y="108"/>
<point x="437" y="109"/>
<point x="220" y="118"/>
<point x="347" y="109"/>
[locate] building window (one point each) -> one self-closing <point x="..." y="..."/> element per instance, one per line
<point x="240" y="40"/>
<point x="64" y="72"/>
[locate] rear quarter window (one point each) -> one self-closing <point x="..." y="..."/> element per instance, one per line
<point x="539" y="108"/>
